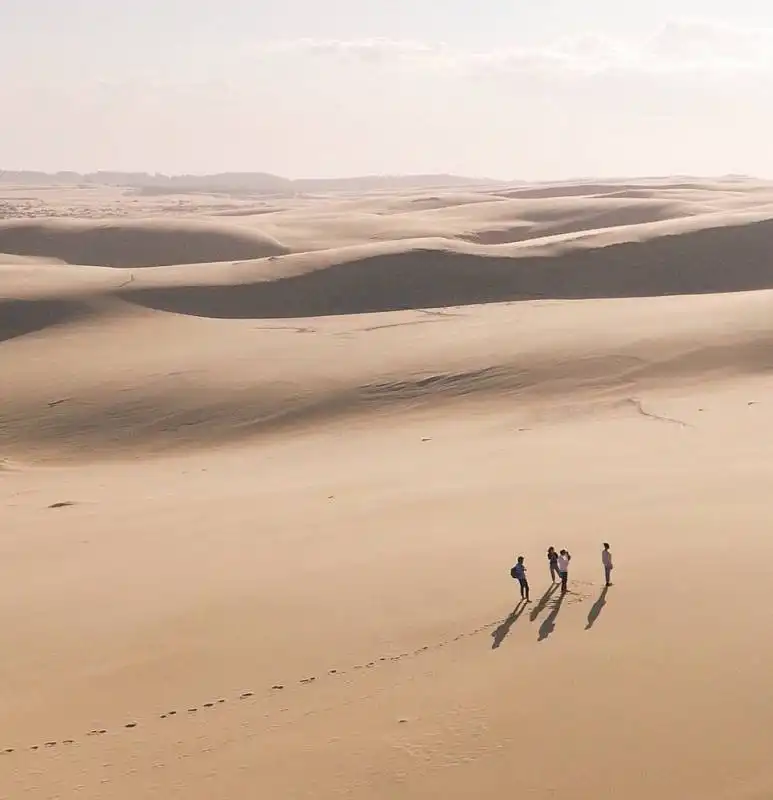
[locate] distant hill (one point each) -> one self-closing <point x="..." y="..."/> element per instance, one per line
<point x="237" y="182"/>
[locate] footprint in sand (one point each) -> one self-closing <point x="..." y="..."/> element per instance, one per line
<point x="246" y="695"/>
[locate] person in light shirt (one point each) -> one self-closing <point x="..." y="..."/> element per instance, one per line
<point x="606" y="560"/>
<point x="564" y="557"/>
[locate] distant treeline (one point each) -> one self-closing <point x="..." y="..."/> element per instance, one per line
<point x="240" y="182"/>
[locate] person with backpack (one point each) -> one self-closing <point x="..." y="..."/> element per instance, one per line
<point x="564" y="557"/>
<point x="519" y="573"/>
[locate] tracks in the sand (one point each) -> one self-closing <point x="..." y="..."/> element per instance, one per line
<point x="637" y="404"/>
<point x="220" y="702"/>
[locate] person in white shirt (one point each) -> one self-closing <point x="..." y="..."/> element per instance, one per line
<point x="606" y="560"/>
<point x="564" y="557"/>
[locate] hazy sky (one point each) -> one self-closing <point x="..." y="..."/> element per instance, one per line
<point x="498" y="88"/>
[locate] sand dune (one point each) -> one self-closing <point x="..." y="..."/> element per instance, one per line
<point x="539" y="218"/>
<point x="702" y="255"/>
<point x="235" y="386"/>
<point x="261" y="496"/>
<point x="16" y="260"/>
<point x="568" y="190"/>
<point x="494" y="217"/>
<point x="132" y="244"/>
<point x="657" y="186"/>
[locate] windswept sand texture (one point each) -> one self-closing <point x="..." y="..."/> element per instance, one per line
<point x="266" y="462"/>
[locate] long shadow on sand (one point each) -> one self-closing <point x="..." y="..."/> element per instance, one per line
<point x="549" y="623"/>
<point x="597" y="608"/>
<point x="501" y="632"/>
<point x="543" y="602"/>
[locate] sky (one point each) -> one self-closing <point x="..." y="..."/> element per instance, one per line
<point x="513" y="89"/>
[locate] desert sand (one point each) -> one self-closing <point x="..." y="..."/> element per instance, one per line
<point x="265" y="465"/>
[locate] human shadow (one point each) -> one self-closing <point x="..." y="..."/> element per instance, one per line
<point x="549" y="623"/>
<point x="542" y="602"/>
<point x="501" y="632"/>
<point x="597" y="608"/>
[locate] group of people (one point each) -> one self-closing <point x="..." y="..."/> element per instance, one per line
<point x="558" y="563"/>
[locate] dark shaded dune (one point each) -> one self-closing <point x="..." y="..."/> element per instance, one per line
<point x="20" y="317"/>
<point x="581" y="189"/>
<point x="694" y="193"/>
<point x="567" y="190"/>
<point x="613" y="218"/>
<point x="245" y="212"/>
<point x="732" y="258"/>
<point x="134" y="244"/>
<point x="433" y="202"/>
<point x="638" y="194"/>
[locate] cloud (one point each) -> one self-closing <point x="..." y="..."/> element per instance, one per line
<point x="681" y="45"/>
<point x="705" y="41"/>
<point x="376" y="50"/>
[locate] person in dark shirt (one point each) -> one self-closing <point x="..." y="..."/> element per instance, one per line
<point x="519" y="572"/>
<point x="606" y="560"/>
<point x="553" y="562"/>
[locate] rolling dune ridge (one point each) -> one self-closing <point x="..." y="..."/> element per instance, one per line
<point x="132" y="244"/>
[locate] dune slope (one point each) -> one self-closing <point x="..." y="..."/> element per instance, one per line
<point x="20" y="317"/>
<point x="133" y="244"/>
<point x="710" y="255"/>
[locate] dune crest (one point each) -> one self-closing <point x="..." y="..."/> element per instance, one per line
<point x="133" y="244"/>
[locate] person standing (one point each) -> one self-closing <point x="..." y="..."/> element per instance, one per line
<point x="553" y="563"/>
<point x="519" y="573"/>
<point x="564" y="557"/>
<point x="606" y="560"/>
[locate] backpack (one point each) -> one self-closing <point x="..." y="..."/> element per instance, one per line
<point x="513" y="573"/>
